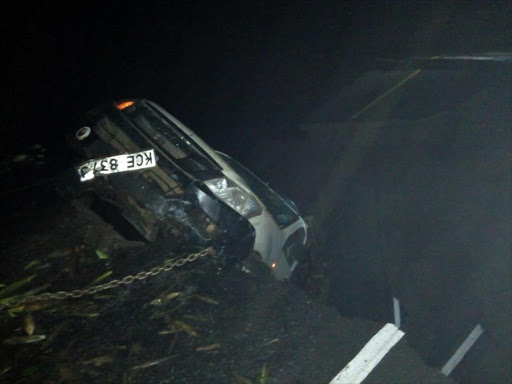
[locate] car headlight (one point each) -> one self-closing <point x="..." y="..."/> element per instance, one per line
<point x="235" y="197"/>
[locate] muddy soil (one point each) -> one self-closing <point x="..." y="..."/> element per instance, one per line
<point x="203" y="322"/>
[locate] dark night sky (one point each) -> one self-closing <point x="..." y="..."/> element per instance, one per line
<point x="244" y="68"/>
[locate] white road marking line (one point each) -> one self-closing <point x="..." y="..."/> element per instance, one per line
<point x="398" y="85"/>
<point x="368" y="358"/>
<point x="396" y="311"/>
<point x="392" y="89"/>
<point x="462" y="350"/>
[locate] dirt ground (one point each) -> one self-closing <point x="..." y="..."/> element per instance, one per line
<point x="203" y="322"/>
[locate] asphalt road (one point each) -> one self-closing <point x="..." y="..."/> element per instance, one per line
<point x="410" y="173"/>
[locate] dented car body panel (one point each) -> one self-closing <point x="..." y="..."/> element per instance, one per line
<point x="187" y="188"/>
<point x="274" y="226"/>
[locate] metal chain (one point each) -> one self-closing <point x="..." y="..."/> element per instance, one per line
<point x="62" y="295"/>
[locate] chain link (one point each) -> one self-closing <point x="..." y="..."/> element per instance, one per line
<point x="62" y="295"/>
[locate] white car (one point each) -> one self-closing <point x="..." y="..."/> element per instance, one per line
<point x="158" y="173"/>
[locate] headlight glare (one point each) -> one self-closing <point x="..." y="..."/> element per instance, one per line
<point x="235" y="197"/>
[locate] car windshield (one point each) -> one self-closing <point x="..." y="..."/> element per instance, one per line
<point x="283" y="214"/>
<point x="170" y="137"/>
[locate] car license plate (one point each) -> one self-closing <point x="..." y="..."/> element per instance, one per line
<point x="114" y="164"/>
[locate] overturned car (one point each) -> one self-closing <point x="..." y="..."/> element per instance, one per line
<point x="160" y="177"/>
